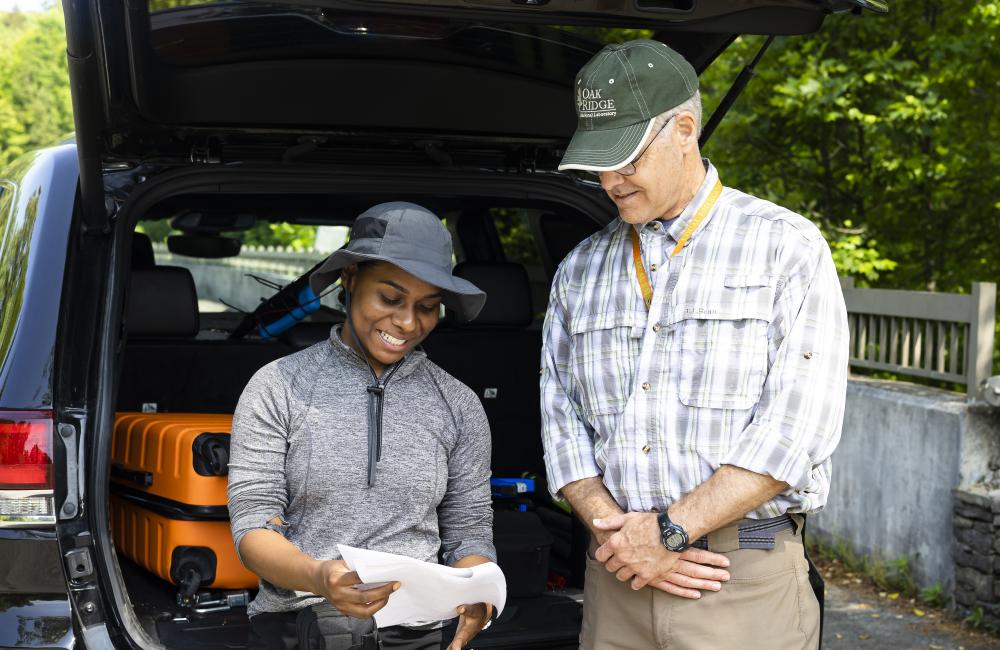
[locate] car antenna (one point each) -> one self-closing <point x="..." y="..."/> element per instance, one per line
<point x="746" y="74"/>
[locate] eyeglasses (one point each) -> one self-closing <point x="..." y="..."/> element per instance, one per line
<point x="629" y="168"/>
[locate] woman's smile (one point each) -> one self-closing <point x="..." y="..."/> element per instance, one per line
<point x="391" y="342"/>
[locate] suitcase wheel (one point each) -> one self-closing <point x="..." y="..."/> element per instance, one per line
<point x="211" y="454"/>
<point x="191" y="567"/>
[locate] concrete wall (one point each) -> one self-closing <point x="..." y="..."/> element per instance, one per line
<point x="228" y="280"/>
<point x="904" y="449"/>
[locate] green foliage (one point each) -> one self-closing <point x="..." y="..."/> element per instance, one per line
<point x="933" y="595"/>
<point x="35" y="106"/>
<point x="157" y="231"/>
<point x="300" y="238"/>
<point x="889" y="575"/>
<point x="856" y="257"/>
<point x="515" y="235"/>
<point x="975" y="618"/>
<point x="887" y="122"/>
<point x="279" y="235"/>
<point x="162" y="5"/>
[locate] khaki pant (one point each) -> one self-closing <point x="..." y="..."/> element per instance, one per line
<point x="767" y="604"/>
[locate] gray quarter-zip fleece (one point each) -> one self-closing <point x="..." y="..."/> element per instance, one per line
<point x="299" y="452"/>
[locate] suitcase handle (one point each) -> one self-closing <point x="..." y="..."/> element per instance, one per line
<point x="143" y="479"/>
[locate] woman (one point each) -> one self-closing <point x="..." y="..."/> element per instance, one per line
<point x="361" y="440"/>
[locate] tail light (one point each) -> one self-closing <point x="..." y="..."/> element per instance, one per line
<point x="26" y="478"/>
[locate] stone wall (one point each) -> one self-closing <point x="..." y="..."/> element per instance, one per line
<point x="904" y="451"/>
<point x="977" y="552"/>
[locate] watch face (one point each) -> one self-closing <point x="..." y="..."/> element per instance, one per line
<point x="674" y="540"/>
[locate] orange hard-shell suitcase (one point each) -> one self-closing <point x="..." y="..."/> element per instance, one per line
<point x="168" y="507"/>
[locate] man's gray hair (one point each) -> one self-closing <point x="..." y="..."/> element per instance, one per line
<point x="692" y="105"/>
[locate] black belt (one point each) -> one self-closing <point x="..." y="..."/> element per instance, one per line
<point x="754" y="533"/>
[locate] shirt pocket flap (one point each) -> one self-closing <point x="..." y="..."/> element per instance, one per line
<point x="740" y="297"/>
<point x="608" y="320"/>
<point x="737" y="280"/>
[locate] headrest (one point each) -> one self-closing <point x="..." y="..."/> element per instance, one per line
<point x="508" y="293"/>
<point x="142" y="251"/>
<point x="162" y="302"/>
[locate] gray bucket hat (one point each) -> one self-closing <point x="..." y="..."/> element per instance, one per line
<point x="412" y="238"/>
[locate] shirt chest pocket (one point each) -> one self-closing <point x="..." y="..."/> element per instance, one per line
<point x="720" y="341"/>
<point x="604" y="352"/>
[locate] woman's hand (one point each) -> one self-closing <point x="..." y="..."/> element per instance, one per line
<point x="471" y="621"/>
<point x="336" y="582"/>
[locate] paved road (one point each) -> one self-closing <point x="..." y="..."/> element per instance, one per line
<point x="858" y="618"/>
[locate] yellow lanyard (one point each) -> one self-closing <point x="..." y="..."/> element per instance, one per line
<point x="640" y="268"/>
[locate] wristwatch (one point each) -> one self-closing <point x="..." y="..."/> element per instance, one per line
<point x="673" y="537"/>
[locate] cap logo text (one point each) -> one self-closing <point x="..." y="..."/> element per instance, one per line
<point x="589" y="103"/>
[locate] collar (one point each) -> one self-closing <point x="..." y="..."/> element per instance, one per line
<point x="675" y="227"/>
<point x="347" y="354"/>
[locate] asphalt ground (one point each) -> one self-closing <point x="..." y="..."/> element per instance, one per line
<point x="859" y="615"/>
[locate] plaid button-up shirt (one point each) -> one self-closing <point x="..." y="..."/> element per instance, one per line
<point x="741" y="359"/>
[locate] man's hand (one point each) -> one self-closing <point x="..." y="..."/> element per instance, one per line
<point x="634" y="552"/>
<point x="471" y="621"/>
<point x="336" y="582"/>
<point x="695" y="572"/>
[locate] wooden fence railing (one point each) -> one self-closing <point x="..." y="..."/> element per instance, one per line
<point x="942" y="336"/>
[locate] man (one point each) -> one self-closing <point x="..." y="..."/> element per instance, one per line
<point x="693" y="378"/>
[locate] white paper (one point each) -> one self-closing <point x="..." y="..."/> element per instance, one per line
<point x="428" y="592"/>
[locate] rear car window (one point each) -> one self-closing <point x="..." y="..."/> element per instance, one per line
<point x="518" y="232"/>
<point x="239" y="283"/>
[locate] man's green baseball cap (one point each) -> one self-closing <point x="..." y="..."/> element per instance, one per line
<point x="618" y="94"/>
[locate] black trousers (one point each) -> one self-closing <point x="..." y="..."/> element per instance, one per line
<point x="276" y="631"/>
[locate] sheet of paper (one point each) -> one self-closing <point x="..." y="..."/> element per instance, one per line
<point x="428" y="592"/>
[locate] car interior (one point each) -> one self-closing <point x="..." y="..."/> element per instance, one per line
<point x="178" y="358"/>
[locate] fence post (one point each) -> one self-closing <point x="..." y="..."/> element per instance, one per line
<point x="982" y="324"/>
<point x="846" y="281"/>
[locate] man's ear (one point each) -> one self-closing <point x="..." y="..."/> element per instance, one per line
<point x="686" y="130"/>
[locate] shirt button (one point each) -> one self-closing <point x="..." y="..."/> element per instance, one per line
<point x="656" y="328"/>
<point x="656" y="226"/>
<point x="645" y="386"/>
<point x="652" y="267"/>
<point x="645" y="449"/>
<point x="808" y="355"/>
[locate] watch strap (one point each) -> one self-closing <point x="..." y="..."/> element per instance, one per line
<point x="673" y="537"/>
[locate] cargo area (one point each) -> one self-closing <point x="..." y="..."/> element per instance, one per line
<point x="181" y="373"/>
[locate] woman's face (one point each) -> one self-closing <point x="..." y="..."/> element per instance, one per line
<point x="392" y="311"/>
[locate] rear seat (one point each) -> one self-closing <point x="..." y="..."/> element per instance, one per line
<point x="164" y="365"/>
<point x="497" y="355"/>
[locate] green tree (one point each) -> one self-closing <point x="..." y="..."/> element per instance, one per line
<point x="885" y="122"/>
<point x="35" y="105"/>
<point x="300" y="238"/>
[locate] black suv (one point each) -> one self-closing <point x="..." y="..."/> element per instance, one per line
<point x="210" y="118"/>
